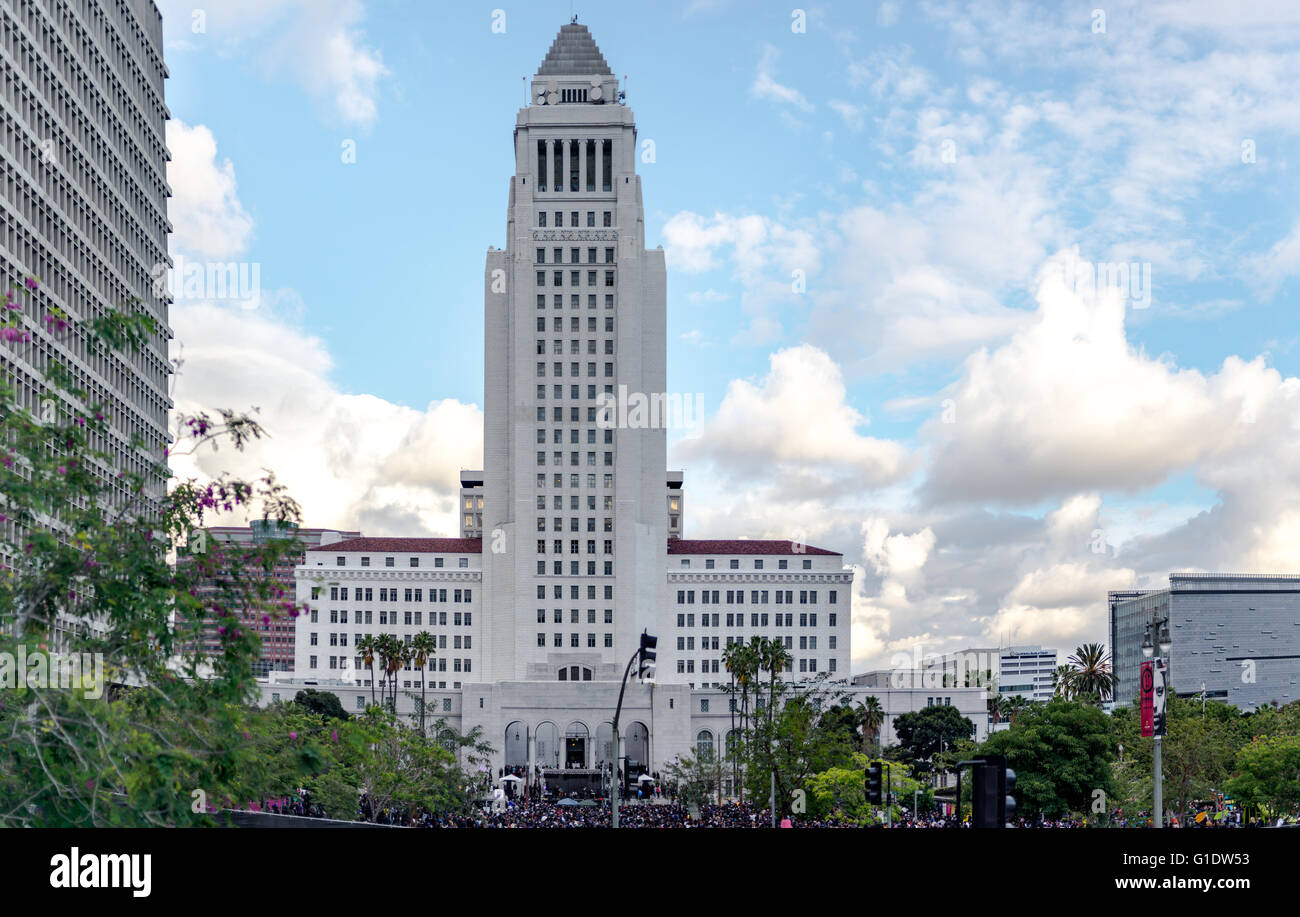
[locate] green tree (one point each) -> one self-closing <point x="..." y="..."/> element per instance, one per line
<point x="1268" y="774"/>
<point x="401" y="771"/>
<point x="698" y="780"/>
<point x="422" y="650"/>
<point x="1063" y="682"/>
<point x="873" y="718"/>
<point x="923" y="733"/>
<point x="742" y="662"/>
<point x="323" y="703"/>
<point x="1197" y="752"/>
<point x="1091" y="676"/>
<point x="86" y="550"/>
<point x="1061" y="752"/>
<point x="840" y="791"/>
<point x="794" y="742"/>
<point x="368" y="648"/>
<point x="774" y="658"/>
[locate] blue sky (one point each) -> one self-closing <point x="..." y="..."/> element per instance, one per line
<point x="931" y="403"/>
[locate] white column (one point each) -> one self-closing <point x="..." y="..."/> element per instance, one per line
<point x="582" y="165"/>
<point x="564" y="176"/>
<point x="546" y="165"/>
<point x="600" y="163"/>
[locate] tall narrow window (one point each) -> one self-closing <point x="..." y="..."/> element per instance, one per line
<point x="589" y="150"/>
<point x="557" y="167"/>
<point x="574" y="153"/>
<point x="541" y="167"/>
<point x="607" y="164"/>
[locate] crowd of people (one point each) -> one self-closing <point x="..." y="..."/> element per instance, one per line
<point x="535" y="814"/>
<point x="657" y="812"/>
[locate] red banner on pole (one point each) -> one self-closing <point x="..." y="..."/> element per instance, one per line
<point x="1147" y="687"/>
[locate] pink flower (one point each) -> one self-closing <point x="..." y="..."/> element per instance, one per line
<point x="334" y="734"/>
<point x="293" y="735"/>
<point x="31" y="282"/>
<point x="61" y="470"/>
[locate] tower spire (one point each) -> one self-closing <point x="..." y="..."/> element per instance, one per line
<point x="574" y="53"/>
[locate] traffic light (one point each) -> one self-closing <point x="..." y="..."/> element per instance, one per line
<point x="992" y="784"/>
<point x="875" y="786"/>
<point x="984" y="794"/>
<point x="1008" y="801"/>
<point x="646" y="666"/>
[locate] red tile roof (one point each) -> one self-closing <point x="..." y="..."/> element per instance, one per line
<point x="742" y="546"/>
<point x="405" y="545"/>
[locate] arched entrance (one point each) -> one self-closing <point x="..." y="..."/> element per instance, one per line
<point x="516" y="748"/>
<point x="604" y="745"/>
<point x="637" y="746"/>
<point x="576" y="741"/>
<point x="548" y="745"/>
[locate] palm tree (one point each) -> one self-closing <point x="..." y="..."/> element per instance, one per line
<point x="1063" y="682"/>
<point x="390" y="660"/>
<point x="873" y="717"/>
<point x="752" y="654"/>
<point x="1091" y="673"/>
<point x="729" y="658"/>
<point x="1013" y="705"/>
<point x="401" y="658"/>
<point x="775" y="658"/>
<point x="422" y="647"/>
<point x="367" y="646"/>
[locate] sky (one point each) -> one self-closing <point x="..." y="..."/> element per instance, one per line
<point x="996" y="299"/>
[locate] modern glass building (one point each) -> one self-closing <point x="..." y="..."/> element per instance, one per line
<point x="1235" y="637"/>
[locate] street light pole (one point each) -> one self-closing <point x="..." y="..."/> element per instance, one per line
<point x="646" y="654"/>
<point x="1159" y="629"/>
<point x="1158" y="790"/>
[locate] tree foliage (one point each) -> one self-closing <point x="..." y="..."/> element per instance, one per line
<point x="1061" y="753"/>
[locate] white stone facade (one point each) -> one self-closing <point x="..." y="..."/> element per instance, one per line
<point x="571" y="540"/>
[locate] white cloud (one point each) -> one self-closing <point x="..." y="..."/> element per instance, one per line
<point x="1280" y="262"/>
<point x="763" y="255"/>
<point x="352" y="461"/>
<point x="204" y="208"/>
<point x="316" y="43"/>
<point x="853" y="115"/>
<point x="795" y="428"/>
<point x="765" y="85"/>
<point x="1067" y="404"/>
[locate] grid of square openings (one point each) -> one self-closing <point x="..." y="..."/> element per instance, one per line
<point x="575" y="348"/>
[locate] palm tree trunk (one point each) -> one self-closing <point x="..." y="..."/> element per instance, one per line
<point x="421" y="701"/>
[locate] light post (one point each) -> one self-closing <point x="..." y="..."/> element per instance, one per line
<point x="1160" y="627"/>
<point x="645" y="657"/>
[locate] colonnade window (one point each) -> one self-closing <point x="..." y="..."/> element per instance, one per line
<point x="574" y="165"/>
